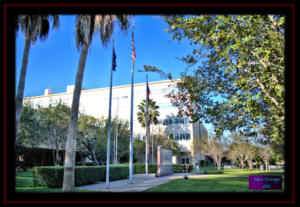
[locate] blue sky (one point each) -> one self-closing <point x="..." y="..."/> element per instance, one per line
<point x="53" y="62"/>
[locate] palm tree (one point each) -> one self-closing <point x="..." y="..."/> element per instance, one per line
<point x="35" y="27"/>
<point x="153" y="114"/>
<point x="85" y="27"/>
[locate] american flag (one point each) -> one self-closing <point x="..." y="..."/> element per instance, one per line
<point x="133" y="48"/>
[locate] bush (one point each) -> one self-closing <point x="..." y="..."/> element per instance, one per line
<point x="37" y="180"/>
<point x="179" y="168"/>
<point x="53" y="176"/>
<point x="139" y="168"/>
<point x="207" y="163"/>
<point x="202" y="163"/>
<point x="118" y="172"/>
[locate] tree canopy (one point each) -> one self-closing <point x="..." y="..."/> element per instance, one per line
<point x="238" y="81"/>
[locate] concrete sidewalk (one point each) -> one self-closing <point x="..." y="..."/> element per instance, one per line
<point x="140" y="183"/>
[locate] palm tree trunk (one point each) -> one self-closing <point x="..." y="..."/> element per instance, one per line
<point x="69" y="165"/>
<point x="20" y="93"/>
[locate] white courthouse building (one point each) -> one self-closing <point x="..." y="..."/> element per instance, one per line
<point x="95" y="102"/>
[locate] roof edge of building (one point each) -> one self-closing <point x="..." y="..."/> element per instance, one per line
<point x="99" y="89"/>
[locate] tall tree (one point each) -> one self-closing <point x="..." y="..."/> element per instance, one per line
<point x="35" y="27"/>
<point x="232" y="153"/>
<point x="265" y="154"/>
<point x="153" y="114"/>
<point x="240" y="147"/>
<point x="239" y="63"/>
<point x="85" y="27"/>
<point x="88" y="126"/>
<point x="30" y="131"/>
<point x="250" y="152"/>
<point x="212" y="146"/>
<point x="54" y="122"/>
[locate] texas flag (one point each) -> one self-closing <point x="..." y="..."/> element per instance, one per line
<point x="148" y="91"/>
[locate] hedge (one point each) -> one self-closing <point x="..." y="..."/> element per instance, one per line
<point x="53" y="175"/>
<point x="179" y="168"/>
<point x="139" y="168"/>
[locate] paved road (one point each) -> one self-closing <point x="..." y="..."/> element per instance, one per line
<point x="140" y="183"/>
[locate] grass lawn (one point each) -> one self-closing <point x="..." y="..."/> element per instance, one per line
<point x="233" y="180"/>
<point x="24" y="183"/>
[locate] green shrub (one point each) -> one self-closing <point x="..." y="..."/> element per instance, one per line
<point x="53" y="176"/>
<point x="202" y="163"/>
<point x="139" y="168"/>
<point x="179" y="168"/>
<point x="207" y="163"/>
<point x="38" y="181"/>
<point x="118" y="172"/>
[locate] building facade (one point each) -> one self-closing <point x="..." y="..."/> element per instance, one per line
<point x="95" y="102"/>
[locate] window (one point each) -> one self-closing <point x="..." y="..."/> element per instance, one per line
<point x="186" y="120"/>
<point x="181" y="120"/>
<point x="176" y="136"/>
<point x="185" y="160"/>
<point x="170" y="121"/>
<point x="182" y="136"/>
<point x="188" y="136"/>
<point x="176" y="120"/>
<point x="165" y="121"/>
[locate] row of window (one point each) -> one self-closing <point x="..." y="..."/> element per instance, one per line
<point x="181" y="136"/>
<point x="175" y="136"/>
<point x="175" y="120"/>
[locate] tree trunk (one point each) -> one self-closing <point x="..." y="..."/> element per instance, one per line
<point x="69" y="165"/>
<point x="232" y="162"/>
<point x="242" y="164"/>
<point x="219" y="165"/>
<point x="250" y="165"/>
<point x="94" y="157"/>
<point x="57" y="156"/>
<point x="53" y="157"/>
<point x="20" y="93"/>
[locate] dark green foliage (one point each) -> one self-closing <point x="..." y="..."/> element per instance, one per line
<point x="37" y="180"/>
<point x="118" y="172"/>
<point x="139" y="168"/>
<point x="53" y="176"/>
<point x="179" y="168"/>
<point x="238" y="74"/>
<point x="202" y="163"/>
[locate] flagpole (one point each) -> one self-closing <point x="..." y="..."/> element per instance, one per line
<point x="131" y="118"/>
<point x="147" y="131"/>
<point x="117" y="132"/>
<point x="117" y="124"/>
<point x="109" y="122"/>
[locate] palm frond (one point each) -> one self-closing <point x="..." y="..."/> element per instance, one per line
<point x="56" y="21"/>
<point x="36" y="26"/>
<point x="84" y="27"/>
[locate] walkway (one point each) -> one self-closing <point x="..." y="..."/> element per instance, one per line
<point x="140" y="183"/>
